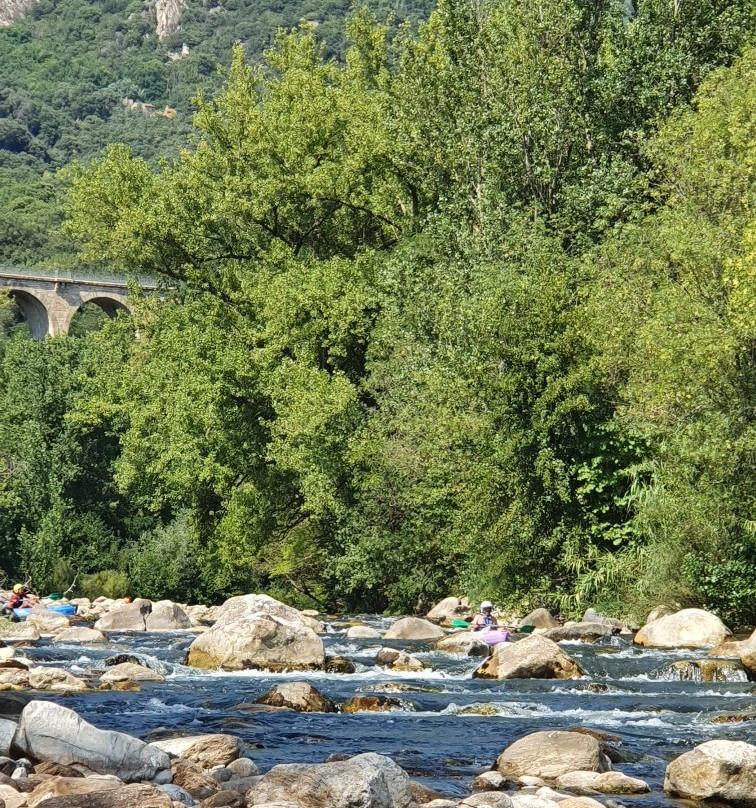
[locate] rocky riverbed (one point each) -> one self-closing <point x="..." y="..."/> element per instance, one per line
<point x="580" y="718"/>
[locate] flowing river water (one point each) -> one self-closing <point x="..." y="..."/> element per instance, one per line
<point x="450" y="727"/>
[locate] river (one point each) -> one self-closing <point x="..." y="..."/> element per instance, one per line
<point x="437" y="735"/>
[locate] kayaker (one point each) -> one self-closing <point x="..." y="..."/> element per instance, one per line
<point x="484" y="618"/>
<point x="16" y="600"/>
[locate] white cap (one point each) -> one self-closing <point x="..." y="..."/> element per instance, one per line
<point x="486" y="605"/>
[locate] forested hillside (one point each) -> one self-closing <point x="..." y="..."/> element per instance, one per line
<point x="69" y="68"/>
<point x="464" y="307"/>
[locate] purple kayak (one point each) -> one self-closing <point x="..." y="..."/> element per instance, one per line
<point x="494" y="636"/>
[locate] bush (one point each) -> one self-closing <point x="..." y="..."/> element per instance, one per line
<point x="165" y="565"/>
<point x="108" y="583"/>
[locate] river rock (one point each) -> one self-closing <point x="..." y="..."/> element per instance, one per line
<point x="128" y="671"/>
<point x="242" y="607"/>
<point x="487" y="799"/>
<point x="6" y="652"/>
<point x="535" y="657"/>
<point x="49" y="731"/>
<point x="190" y="777"/>
<point x="223" y="799"/>
<point x="14" y="677"/>
<point x="465" y="643"/>
<point x="414" y="628"/>
<point x="243" y="767"/>
<point x="592" y="616"/>
<point x="299" y="696"/>
<point x="46" y="621"/>
<point x="339" y="664"/>
<point x="217" y="749"/>
<point x="658" y="612"/>
<point x="362" y="633"/>
<point x="79" y="634"/>
<point x="451" y="609"/>
<point x="705" y="670"/>
<point x="398" y="660"/>
<point x="689" y="628"/>
<point x="364" y="781"/>
<point x="70" y="787"/>
<point x="7" y="731"/>
<point x="724" y="770"/>
<point x="540" y="618"/>
<point x="490" y="781"/>
<point x="178" y="795"/>
<point x="371" y="704"/>
<point x="22" y="632"/>
<point x="134" y="796"/>
<point x="602" y="782"/>
<point x="167" y="616"/>
<point x="580" y="802"/>
<point x="11" y="798"/>
<point x="260" y="641"/>
<point x="552" y="753"/>
<point x="531" y="801"/>
<point x="200" y="615"/>
<point x="581" y="632"/>
<point x="126" y="617"/>
<point x="55" y="679"/>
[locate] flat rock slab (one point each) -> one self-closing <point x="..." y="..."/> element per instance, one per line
<point x="134" y="796"/>
<point x="217" y="749"/>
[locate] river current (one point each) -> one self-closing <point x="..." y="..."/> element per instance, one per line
<point x="439" y="735"/>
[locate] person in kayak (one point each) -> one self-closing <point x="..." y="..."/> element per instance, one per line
<point x="484" y="618"/>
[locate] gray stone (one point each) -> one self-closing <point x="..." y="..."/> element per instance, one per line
<point x="48" y="731"/>
<point x="167" y="616"/>
<point x="126" y="617"/>
<point x="716" y="770"/>
<point x="216" y="749"/>
<point x="549" y="754"/>
<point x="689" y="628"/>
<point x="7" y="731"/>
<point x="535" y="657"/>
<point x="364" y="781"/>
<point x="178" y="794"/>
<point x="414" y="628"/>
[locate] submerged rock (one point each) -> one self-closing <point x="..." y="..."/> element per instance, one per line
<point x="373" y="704"/>
<point x="689" y="628"/>
<point x="339" y="664"/>
<point x="364" y="781"/>
<point x="299" y="696"/>
<point x="724" y="770"/>
<point x="705" y="670"/>
<point x="550" y="754"/>
<point x="535" y="657"/>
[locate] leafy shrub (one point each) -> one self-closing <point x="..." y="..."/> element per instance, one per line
<point x="108" y="583"/>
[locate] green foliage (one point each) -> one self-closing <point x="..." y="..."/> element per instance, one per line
<point x="106" y="583"/>
<point x="470" y="307"/>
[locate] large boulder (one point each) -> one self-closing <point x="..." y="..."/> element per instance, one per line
<point x="241" y="607"/>
<point x="134" y="796"/>
<point x="550" y="754"/>
<point x="540" y="618"/>
<point x="259" y="641"/>
<point x="21" y="632"/>
<point x="689" y="628"/>
<point x="364" y="781"/>
<point x="79" y="634"/>
<point x="46" y="621"/>
<point x="48" y="731"/>
<point x="451" y="609"/>
<point x="414" y="628"/>
<point x="126" y="617"/>
<point x="467" y="643"/>
<point x="299" y="696"/>
<point x="206" y="751"/>
<point x="535" y="657"/>
<point x="167" y="616"/>
<point x="7" y="731"/>
<point x="716" y="770"/>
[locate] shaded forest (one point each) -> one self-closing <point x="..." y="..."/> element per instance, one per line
<point x="467" y="305"/>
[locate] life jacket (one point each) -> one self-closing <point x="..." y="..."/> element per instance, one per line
<point x="16" y="600"/>
<point x="488" y="619"/>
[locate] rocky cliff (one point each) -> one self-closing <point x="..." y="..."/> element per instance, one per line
<point x="168" y="14"/>
<point x="11" y="10"/>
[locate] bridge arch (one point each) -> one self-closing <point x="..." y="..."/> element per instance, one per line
<point x="34" y="312"/>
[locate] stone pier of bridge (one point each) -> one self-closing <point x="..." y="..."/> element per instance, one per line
<point x="49" y="299"/>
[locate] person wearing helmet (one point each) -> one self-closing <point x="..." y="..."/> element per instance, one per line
<point x="484" y="618"/>
<point x="16" y="601"/>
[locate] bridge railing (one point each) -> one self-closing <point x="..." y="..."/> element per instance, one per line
<point x="72" y="276"/>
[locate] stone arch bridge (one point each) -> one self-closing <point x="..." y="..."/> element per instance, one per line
<point x="50" y="299"/>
